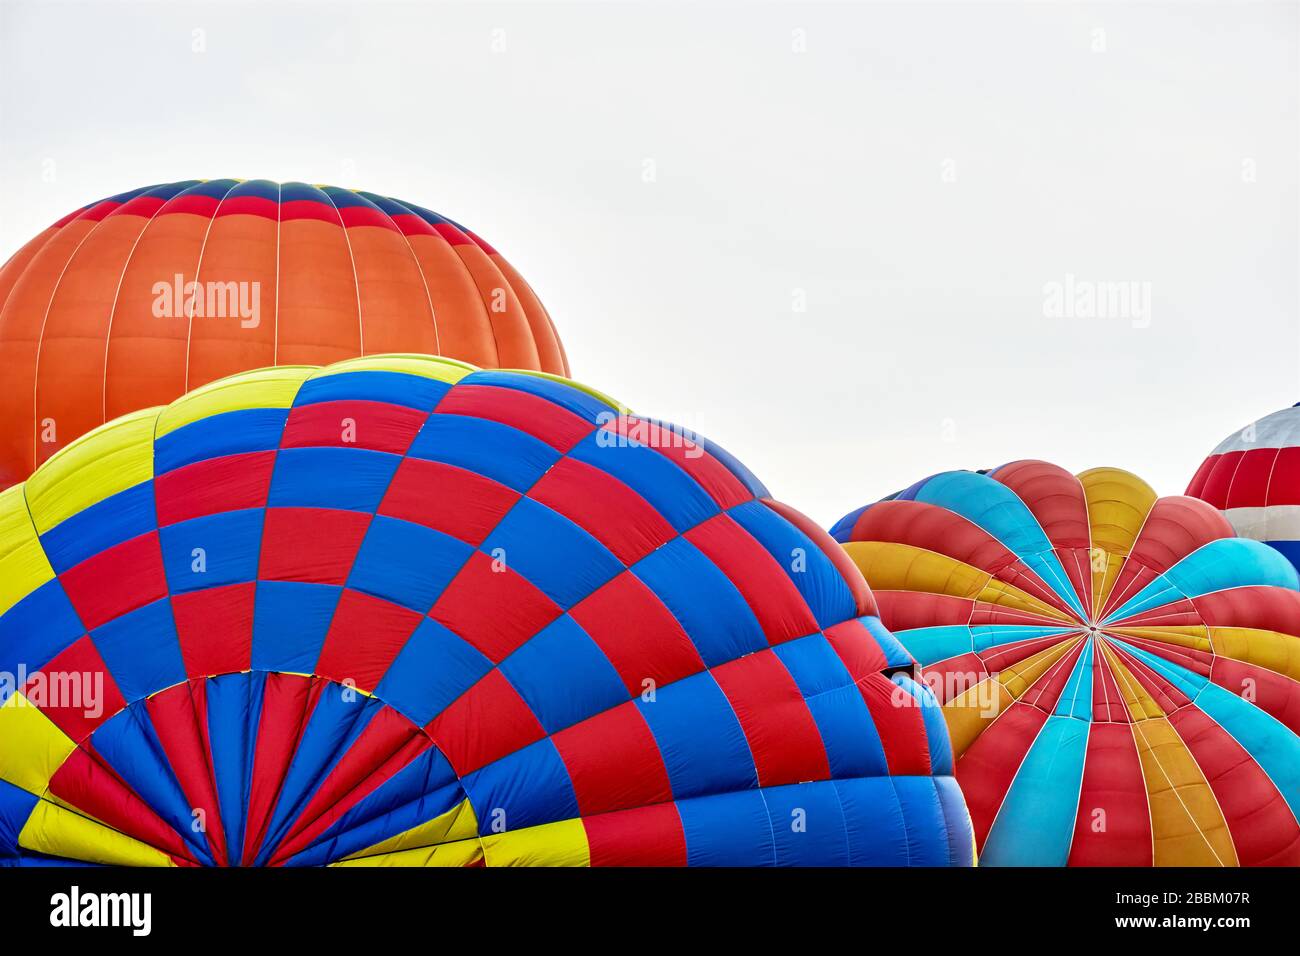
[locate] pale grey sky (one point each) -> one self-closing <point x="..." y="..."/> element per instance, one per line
<point x="913" y="175"/>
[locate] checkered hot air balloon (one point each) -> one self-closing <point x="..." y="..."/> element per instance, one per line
<point x="399" y="611"/>
<point x="1119" y="673"/>
<point x="1253" y="477"/>
<point x="132" y="301"/>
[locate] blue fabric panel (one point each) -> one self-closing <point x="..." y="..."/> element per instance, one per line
<point x="407" y="563"/>
<point x="16" y="805"/>
<point x="523" y="789"/>
<point x="555" y="555"/>
<point x="873" y="821"/>
<point x="511" y="457"/>
<point x="727" y="829"/>
<point x="230" y="433"/>
<point x="130" y="746"/>
<point x="350" y="479"/>
<point x="290" y="621"/>
<point x="702" y="743"/>
<point x="936" y="728"/>
<point x="713" y="613"/>
<point x="842" y="530"/>
<point x="234" y="704"/>
<point x="38" y="628"/>
<point x="563" y="676"/>
<point x="895" y="653"/>
<point x="430" y="671"/>
<point x="924" y="818"/>
<point x="142" y="650"/>
<point x="807" y="825"/>
<point x="120" y="517"/>
<point x="231" y="543"/>
<point x="395" y="388"/>
<point x="961" y="836"/>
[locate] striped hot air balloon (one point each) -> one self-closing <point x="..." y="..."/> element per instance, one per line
<point x="1253" y="477"/>
<point x="132" y="301"/>
<point x="1120" y="674"/>
<point x="400" y="611"/>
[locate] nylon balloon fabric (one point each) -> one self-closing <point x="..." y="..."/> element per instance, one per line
<point x="401" y="611"/>
<point x="132" y="301"/>
<point x="1119" y="673"/>
<point x="1253" y="477"/>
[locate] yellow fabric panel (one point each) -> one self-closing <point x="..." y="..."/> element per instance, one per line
<point x="1269" y="649"/>
<point x="437" y="367"/>
<point x="1194" y="637"/>
<point x="59" y="832"/>
<point x="888" y="566"/>
<point x="264" y="388"/>
<point x="458" y="823"/>
<point x="969" y="713"/>
<point x="460" y="853"/>
<point x="563" y="843"/>
<point x="99" y="464"/>
<point x="1140" y="704"/>
<point x="32" y="748"/>
<point x="1187" y="826"/>
<point x="23" y="565"/>
<point x="1118" y="504"/>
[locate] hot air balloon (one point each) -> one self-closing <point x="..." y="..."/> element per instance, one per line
<point x="132" y="301"/>
<point x="1253" y="477"/>
<point x="1118" y="672"/>
<point x="400" y="611"/>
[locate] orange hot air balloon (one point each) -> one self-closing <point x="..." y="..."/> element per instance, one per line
<point x="131" y="302"/>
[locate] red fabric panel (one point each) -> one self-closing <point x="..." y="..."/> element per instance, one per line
<point x="447" y="499"/>
<point x="215" y="627"/>
<point x="287" y="704"/>
<point x="1250" y="482"/>
<point x="1263" y="828"/>
<point x="93" y="788"/>
<point x="857" y="648"/>
<point x="986" y="769"/>
<point x="608" y="510"/>
<point x="1113" y="784"/>
<point x="1269" y="609"/>
<point x="780" y="729"/>
<point x="557" y="426"/>
<point x="494" y="610"/>
<point x="388" y="743"/>
<point x="1284" y="486"/>
<point x="901" y="725"/>
<point x="1045" y="692"/>
<point x="1107" y="700"/>
<point x="377" y="426"/>
<point x="613" y="761"/>
<point x="178" y="715"/>
<point x="315" y="545"/>
<point x="64" y="690"/>
<point x="1274" y="693"/>
<point x="767" y="589"/>
<point x="1218" y="480"/>
<point x="637" y="633"/>
<point x="646" y="836"/>
<point x="487" y="722"/>
<point x="364" y="638"/>
<point x="117" y="580"/>
<point x="230" y="483"/>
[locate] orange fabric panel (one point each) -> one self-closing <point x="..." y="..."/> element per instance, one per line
<point x="550" y="351"/>
<point x="146" y="353"/>
<point x="395" y="312"/>
<point x="463" y="329"/>
<point x="510" y="328"/>
<point x="241" y="249"/>
<point x="317" y="320"/>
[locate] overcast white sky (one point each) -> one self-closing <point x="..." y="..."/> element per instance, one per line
<point x="914" y="173"/>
